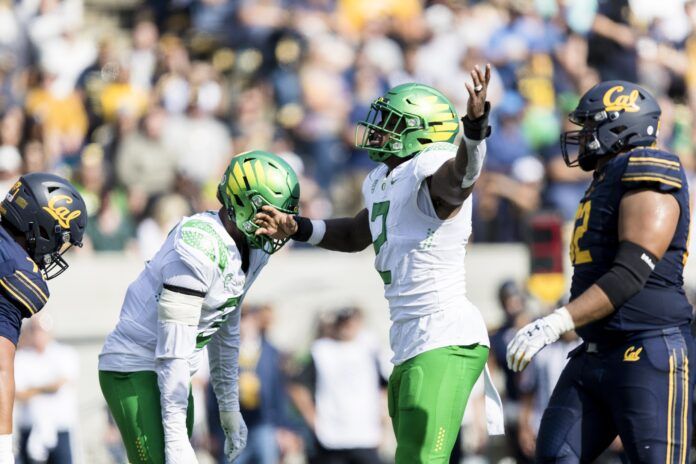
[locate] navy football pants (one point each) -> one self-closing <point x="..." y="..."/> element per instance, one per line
<point x="640" y="390"/>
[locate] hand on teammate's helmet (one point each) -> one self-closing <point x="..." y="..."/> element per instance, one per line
<point x="235" y="434"/>
<point x="274" y="223"/>
<point x="476" y="106"/>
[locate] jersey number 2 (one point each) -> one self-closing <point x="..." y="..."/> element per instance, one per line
<point x="381" y="209"/>
<point x="578" y="256"/>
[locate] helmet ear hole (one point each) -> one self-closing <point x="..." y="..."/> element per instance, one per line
<point x="43" y="233"/>
<point x="238" y="200"/>
<point x="618" y="129"/>
<point x="424" y="141"/>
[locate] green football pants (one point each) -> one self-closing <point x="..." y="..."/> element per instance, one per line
<point x="427" y="397"/>
<point x="134" y="401"/>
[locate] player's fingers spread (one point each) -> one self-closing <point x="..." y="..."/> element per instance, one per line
<point x="264" y="224"/>
<point x="479" y="74"/>
<point x="511" y="352"/>
<point x="475" y="78"/>
<point x="519" y="361"/>
<point x="270" y="210"/>
<point x="470" y="89"/>
<point x="523" y="364"/>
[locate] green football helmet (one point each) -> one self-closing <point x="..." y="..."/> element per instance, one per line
<point x="253" y="179"/>
<point x="405" y="121"/>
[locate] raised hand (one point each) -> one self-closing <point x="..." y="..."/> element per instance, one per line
<point x="475" y="107"/>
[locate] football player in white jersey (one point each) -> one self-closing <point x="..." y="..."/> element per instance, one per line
<point x="418" y="218"/>
<point x="187" y="297"/>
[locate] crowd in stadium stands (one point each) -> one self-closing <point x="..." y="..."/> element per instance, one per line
<point x="143" y="103"/>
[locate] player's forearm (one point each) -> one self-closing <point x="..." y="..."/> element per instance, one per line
<point x="342" y="234"/>
<point x="173" y="378"/>
<point x="454" y="181"/>
<point x="176" y="342"/>
<point x="302" y="398"/>
<point x="592" y="305"/>
<point x="223" y="356"/>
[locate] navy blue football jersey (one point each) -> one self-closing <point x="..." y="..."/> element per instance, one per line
<point x="662" y="302"/>
<point x="22" y="286"/>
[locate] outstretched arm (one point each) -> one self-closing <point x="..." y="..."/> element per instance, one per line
<point x="342" y="234"/>
<point x="454" y="181"/>
<point x="647" y="222"/>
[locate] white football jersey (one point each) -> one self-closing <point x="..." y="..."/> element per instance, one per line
<point x="198" y="248"/>
<point x="421" y="258"/>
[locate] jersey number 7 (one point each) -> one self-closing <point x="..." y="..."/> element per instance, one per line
<point x="380" y="210"/>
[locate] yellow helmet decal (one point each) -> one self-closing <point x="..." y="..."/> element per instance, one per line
<point x="62" y="214"/>
<point x="621" y="102"/>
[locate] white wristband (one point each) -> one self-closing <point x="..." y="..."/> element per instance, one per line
<point x="565" y="319"/>
<point x="318" y="231"/>
<point x="476" y="153"/>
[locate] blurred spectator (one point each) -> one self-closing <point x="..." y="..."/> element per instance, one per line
<point x="61" y="117"/>
<point x="612" y="43"/>
<point x="200" y="142"/>
<point x="167" y="211"/>
<point x="262" y="390"/>
<point x="513" y="303"/>
<point x="566" y="186"/>
<point x="510" y="187"/>
<point x="262" y="395"/>
<point x="10" y="168"/>
<point x="119" y="97"/>
<point x="143" y="60"/>
<point x="340" y="393"/>
<point x="45" y="373"/>
<point x="144" y="163"/>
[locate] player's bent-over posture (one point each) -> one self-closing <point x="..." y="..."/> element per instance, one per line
<point x="632" y="374"/>
<point x="40" y="218"/>
<point x="418" y="218"/>
<point x="188" y="296"/>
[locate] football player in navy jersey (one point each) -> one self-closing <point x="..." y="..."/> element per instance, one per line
<point x="40" y="218"/>
<point x="631" y="376"/>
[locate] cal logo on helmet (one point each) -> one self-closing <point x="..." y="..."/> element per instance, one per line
<point x="614" y="102"/>
<point x="62" y="214"/>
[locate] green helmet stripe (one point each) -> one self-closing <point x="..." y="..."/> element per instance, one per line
<point x="239" y="176"/>
<point x="249" y="171"/>
<point x="260" y="174"/>
<point x="233" y="186"/>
